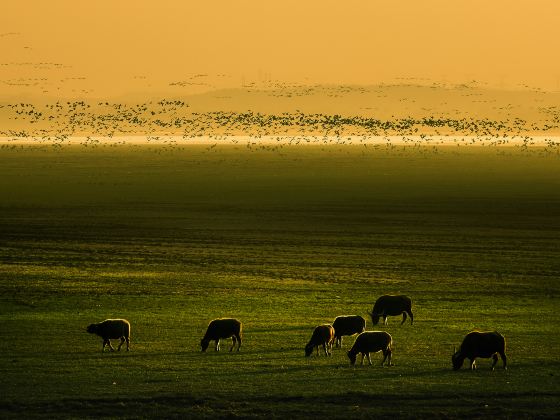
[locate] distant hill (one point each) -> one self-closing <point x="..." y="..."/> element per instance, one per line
<point x="385" y="101"/>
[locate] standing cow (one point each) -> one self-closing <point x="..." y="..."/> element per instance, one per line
<point x="112" y="329"/>
<point x="222" y="328"/>
<point x="480" y="344"/>
<point x="372" y="342"/>
<point x="391" y="305"/>
<point x="323" y="335"/>
<point x="347" y="325"/>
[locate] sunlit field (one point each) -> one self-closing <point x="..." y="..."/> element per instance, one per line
<point x="284" y="240"/>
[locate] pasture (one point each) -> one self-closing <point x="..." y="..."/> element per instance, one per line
<point x="283" y="240"/>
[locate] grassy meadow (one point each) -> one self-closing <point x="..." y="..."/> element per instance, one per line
<point x="283" y="239"/>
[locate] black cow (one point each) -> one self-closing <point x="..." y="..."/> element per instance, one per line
<point x="323" y="335"/>
<point x="480" y="344"/>
<point x="347" y="325"/>
<point x="372" y="342"/>
<point x="390" y="305"/>
<point x="112" y="328"/>
<point x="222" y="328"/>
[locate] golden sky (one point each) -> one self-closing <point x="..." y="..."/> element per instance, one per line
<point x="108" y="48"/>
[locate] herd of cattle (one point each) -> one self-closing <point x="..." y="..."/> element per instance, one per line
<point x="475" y="344"/>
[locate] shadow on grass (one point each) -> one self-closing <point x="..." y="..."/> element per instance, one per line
<point x="339" y="405"/>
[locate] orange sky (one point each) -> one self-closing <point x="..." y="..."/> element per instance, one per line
<point x="107" y="48"/>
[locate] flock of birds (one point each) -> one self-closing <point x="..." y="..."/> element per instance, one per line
<point x="172" y="123"/>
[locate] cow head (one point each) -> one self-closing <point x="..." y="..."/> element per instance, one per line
<point x="92" y="329"/>
<point x="457" y="360"/>
<point x="308" y="350"/>
<point x="204" y="344"/>
<point x="374" y="318"/>
<point x="352" y="357"/>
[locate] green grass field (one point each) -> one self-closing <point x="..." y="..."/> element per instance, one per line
<point x="284" y="241"/>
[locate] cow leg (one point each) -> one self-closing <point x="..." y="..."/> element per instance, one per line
<point x="411" y="316"/>
<point x="389" y="357"/>
<point x="473" y="364"/>
<point x="325" y="346"/>
<point x="108" y="343"/>
<point x="127" y="343"/>
<point x="403" y="317"/>
<point x="121" y="343"/>
<point x="362" y="362"/>
<point x="384" y="319"/>
<point x="494" y="361"/>
<point x="504" y="359"/>
<point x="368" y="358"/>
<point x="233" y="340"/>
<point x="217" y="348"/>
<point x="238" y="342"/>
<point x="385" y="354"/>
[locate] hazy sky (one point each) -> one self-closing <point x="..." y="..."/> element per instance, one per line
<point x="114" y="47"/>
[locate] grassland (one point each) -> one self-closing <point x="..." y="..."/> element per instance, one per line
<point x="283" y="241"/>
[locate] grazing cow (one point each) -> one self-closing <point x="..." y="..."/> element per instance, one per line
<point x="222" y="328"/>
<point x="323" y="335"/>
<point x="372" y="342"/>
<point x="391" y="305"/>
<point x="480" y="344"/>
<point x="112" y="329"/>
<point x="347" y="325"/>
